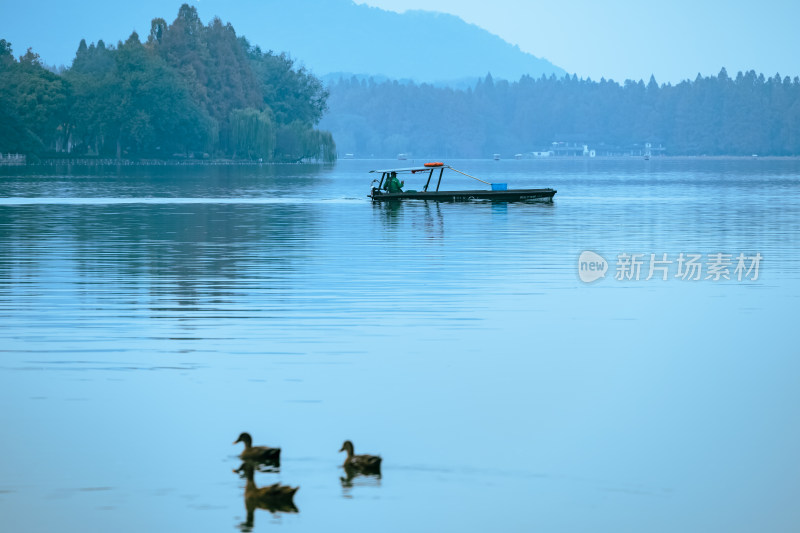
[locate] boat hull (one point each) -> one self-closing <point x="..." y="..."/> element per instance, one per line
<point x="510" y="195"/>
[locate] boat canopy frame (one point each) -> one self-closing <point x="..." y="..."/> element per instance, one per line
<point x="413" y="170"/>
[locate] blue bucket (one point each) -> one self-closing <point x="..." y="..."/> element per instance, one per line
<point x="499" y="186"/>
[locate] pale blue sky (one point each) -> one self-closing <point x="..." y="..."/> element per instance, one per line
<point x="621" y="39"/>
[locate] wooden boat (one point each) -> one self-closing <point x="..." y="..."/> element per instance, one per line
<point x="498" y="192"/>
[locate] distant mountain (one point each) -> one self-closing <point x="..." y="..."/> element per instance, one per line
<point x="340" y="36"/>
<point x="324" y="35"/>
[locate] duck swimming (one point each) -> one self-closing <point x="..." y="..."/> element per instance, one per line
<point x="360" y="463"/>
<point x="257" y="454"/>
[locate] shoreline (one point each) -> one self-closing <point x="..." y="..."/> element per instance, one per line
<point x="111" y="162"/>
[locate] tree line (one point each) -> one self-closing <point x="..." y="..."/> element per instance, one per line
<point x="714" y="115"/>
<point x="189" y="90"/>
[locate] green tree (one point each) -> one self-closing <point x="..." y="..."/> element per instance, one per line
<point x="127" y="100"/>
<point x="35" y="102"/>
<point x="292" y="94"/>
<point x="190" y="88"/>
<point x="252" y="134"/>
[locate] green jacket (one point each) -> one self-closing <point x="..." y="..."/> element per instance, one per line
<point x="394" y="185"/>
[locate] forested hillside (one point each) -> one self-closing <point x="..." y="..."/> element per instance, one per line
<point x="189" y="90"/>
<point x="195" y="90"/>
<point x="717" y="115"/>
<point x="326" y="36"/>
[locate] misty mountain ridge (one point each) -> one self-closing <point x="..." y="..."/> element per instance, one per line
<point x="325" y="36"/>
<point x="422" y="46"/>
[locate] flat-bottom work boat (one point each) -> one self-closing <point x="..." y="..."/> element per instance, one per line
<point x="389" y="187"/>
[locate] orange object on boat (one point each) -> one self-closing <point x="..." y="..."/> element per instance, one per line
<point x="437" y="164"/>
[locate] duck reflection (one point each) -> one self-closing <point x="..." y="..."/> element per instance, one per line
<point x="367" y="466"/>
<point x="265" y="468"/>
<point x="353" y="476"/>
<point x="258" y="455"/>
<point x="274" y="498"/>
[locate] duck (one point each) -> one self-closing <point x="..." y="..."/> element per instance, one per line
<point x="257" y="454"/>
<point x="275" y="497"/>
<point x="360" y="463"/>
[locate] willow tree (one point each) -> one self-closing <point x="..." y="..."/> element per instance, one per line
<point x="252" y="134"/>
<point x="297" y="142"/>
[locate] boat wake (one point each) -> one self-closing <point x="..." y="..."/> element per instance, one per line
<point x="283" y="200"/>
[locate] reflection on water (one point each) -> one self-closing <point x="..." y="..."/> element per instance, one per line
<point x="358" y="477"/>
<point x="275" y="498"/>
<point x="145" y="312"/>
<point x="265" y="467"/>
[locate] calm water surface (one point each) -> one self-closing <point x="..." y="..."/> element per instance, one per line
<point x="149" y="315"/>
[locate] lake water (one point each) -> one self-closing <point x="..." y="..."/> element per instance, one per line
<point x="148" y="315"/>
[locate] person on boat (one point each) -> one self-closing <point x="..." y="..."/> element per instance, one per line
<point x="393" y="184"/>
